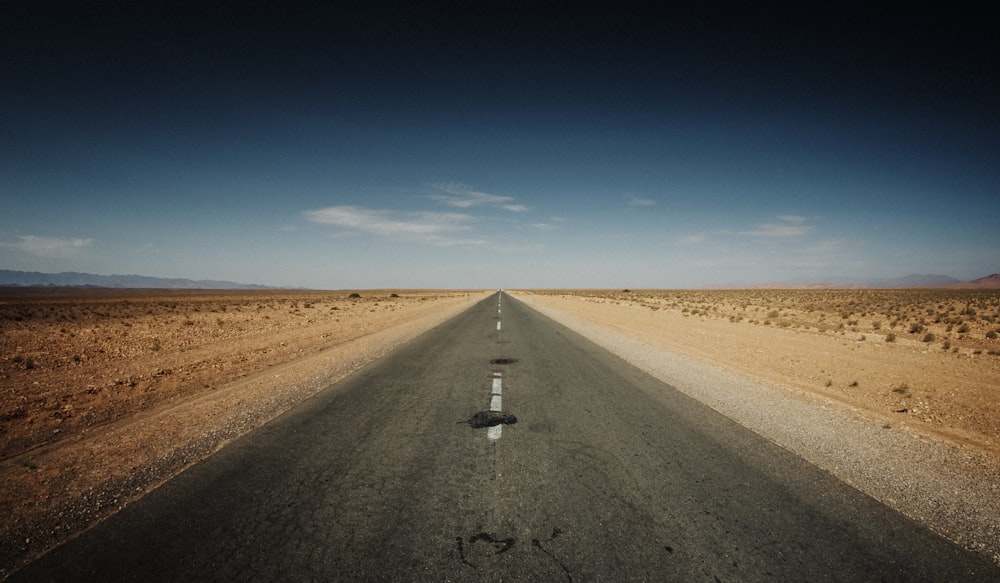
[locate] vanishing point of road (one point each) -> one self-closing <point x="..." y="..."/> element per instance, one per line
<point x="500" y="446"/>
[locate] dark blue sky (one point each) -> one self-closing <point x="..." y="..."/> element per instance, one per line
<point x="371" y="144"/>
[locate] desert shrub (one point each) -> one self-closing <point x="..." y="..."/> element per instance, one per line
<point x="928" y="337"/>
<point x="916" y="328"/>
<point x="991" y="335"/>
<point x="902" y="389"/>
<point x="354" y="296"/>
<point x="964" y="328"/>
<point x="890" y="337"/>
<point x="877" y="325"/>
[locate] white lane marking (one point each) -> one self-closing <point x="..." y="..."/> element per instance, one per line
<point x="498" y="326"/>
<point x="493" y="433"/>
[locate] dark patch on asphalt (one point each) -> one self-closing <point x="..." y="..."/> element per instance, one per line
<point x="490" y="419"/>
<point x="501" y="545"/>
<point x="503" y="361"/>
<point x="544" y="426"/>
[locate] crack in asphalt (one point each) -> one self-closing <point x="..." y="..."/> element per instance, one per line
<point x="537" y="543"/>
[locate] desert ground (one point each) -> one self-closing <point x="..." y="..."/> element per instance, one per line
<point x="106" y="393"/>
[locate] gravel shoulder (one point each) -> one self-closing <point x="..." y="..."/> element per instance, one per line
<point x="951" y="486"/>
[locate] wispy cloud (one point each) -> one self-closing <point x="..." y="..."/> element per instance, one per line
<point x="784" y="226"/>
<point x="51" y="247"/>
<point x="421" y="226"/>
<point x="696" y="239"/>
<point x="544" y="226"/>
<point x="636" y="201"/>
<point x="462" y="196"/>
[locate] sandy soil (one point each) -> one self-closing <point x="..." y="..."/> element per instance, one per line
<point x="106" y="393"/>
<point x="928" y="360"/>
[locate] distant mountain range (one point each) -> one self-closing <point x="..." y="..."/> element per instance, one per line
<point x="907" y="281"/>
<point x="73" y="279"/>
<point x="10" y="278"/>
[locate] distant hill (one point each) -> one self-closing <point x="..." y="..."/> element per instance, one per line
<point x="74" y="279"/>
<point x="913" y="281"/>
<point x="990" y="281"/>
<point x="907" y="281"/>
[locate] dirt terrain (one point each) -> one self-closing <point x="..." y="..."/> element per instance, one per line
<point x="924" y="359"/>
<point x="106" y="393"/>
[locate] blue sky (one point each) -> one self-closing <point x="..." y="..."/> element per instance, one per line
<point x="391" y="146"/>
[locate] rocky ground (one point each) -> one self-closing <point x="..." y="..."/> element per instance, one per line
<point x="106" y="393"/>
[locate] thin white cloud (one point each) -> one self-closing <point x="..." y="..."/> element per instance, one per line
<point x="785" y="226"/>
<point x="793" y="219"/>
<point x="462" y="196"/>
<point x="421" y="226"/>
<point x="636" y="201"/>
<point x="544" y="226"/>
<point x="51" y="247"/>
<point x="696" y="239"/>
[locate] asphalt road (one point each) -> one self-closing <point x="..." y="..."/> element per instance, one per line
<point x="608" y="474"/>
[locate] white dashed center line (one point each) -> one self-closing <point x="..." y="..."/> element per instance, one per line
<point x="496" y="402"/>
<point x="495" y="405"/>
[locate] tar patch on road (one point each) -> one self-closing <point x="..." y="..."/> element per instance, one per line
<point x="501" y="545"/>
<point x="503" y="361"/>
<point x="490" y="419"/>
<point x="494" y="545"/>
